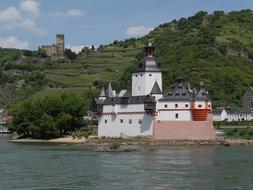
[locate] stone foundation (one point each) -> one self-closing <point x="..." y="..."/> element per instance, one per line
<point x="184" y="130"/>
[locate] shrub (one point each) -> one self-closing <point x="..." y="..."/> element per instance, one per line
<point x="115" y="145"/>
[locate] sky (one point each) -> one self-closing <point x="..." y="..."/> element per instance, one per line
<point x="27" y="24"/>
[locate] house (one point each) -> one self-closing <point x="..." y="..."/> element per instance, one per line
<point x="219" y="115"/>
<point x="182" y="113"/>
<point x="232" y="114"/>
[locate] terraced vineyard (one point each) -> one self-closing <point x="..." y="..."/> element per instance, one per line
<point x="90" y="72"/>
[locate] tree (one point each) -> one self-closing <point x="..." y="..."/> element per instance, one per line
<point x="28" y="53"/>
<point x="70" y="54"/>
<point x="92" y="48"/>
<point x="49" y="117"/>
<point x="42" y="53"/>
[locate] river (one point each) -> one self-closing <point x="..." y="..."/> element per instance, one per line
<point x="53" y="167"/>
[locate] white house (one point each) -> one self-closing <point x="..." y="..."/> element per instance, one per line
<point x="232" y="114"/>
<point x="219" y="115"/>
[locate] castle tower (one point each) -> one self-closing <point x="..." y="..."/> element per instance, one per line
<point x="60" y="45"/>
<point x="147" y="74"/>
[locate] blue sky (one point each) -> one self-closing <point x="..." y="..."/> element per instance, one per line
<point x="30" y="23"/>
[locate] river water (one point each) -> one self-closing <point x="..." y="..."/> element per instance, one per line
<point x="44" y="167"/>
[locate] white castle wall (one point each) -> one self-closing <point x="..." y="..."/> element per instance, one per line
<point x="167" y="110"/>
<point x="114" y="128"/>
<point x="110" y="124"/>
<point x="143" y="82"/>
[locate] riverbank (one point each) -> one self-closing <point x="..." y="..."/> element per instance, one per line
<point x="94" y="141"/>
<point x="62" y="140"/>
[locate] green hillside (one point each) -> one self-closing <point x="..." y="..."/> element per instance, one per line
<point x="217" y="49"/>
<point x="214" y="48"/>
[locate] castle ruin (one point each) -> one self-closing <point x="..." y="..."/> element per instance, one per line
<point x="55" y="50"/>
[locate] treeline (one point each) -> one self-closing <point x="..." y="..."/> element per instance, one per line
<point x="50" y="116"/>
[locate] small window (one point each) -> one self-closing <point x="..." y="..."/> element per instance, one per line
<point x="106" y="121"/>
<point x="200" y="106"/>
<point x="176" y="115"/>
<point x="140" y="121"/>
<point x="130" y="121"/>
<point x="176" y="105"/>
<point x="150" y="75"/>
<point x="141" y="75"/>
<point x="121" y="121"/>
<point x="165" y="105"/>
<point x="186" y="105"/>
<point x="135" y="75"/>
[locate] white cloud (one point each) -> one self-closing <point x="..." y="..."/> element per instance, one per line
<point x="70" y="13"/>
<point x="75" y="12"/>
<point x="76" y="48"/>
<point x="9" y="15"/>
<point x="31" y="26"/>
<point x="11" y="18"/>
<point x="139" y="30"/>
<point x="31" y="7"/>
<point x="13" y="42"/>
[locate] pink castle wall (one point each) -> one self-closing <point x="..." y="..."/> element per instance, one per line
<point x="184" y="130"/>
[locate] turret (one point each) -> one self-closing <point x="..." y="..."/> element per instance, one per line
<point x="148" y="72"/>
<point x="149" y="50"/>
<point x="201" y="104"/>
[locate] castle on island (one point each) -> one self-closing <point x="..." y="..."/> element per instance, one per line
<point x="182" y="113"/>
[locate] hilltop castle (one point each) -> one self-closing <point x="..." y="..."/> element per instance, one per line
<point x="55" y="50"/>
<point x="182" y="113"/>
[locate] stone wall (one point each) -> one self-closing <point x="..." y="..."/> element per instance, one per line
<point x="184" y="130"/>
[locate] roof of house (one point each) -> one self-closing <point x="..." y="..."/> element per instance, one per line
<point x="180" y="91"/>
<point x="156" y="89"/>
<point x="233" y="111"/>
<point x="201" y="93"/>
<point x="130" y="100"/>
<point x="109" y="91"/>
<point x="102" y="93"/>
<point x="217" y="111"/>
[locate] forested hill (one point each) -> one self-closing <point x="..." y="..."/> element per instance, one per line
<point x="214" y="48"/>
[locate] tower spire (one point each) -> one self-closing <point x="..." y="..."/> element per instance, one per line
<point x="150" y="49"/>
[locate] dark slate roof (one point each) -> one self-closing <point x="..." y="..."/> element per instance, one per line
<point x="148" y="63"/>
<point x="217" y="111"/>
<point x="201" y="93"/>
<point x="97" y="101"/>
<point x="156" y="89"/>
<point x="233" y="111"/>
<point x="131" y="100"/>
<point x="180" y="92"/>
